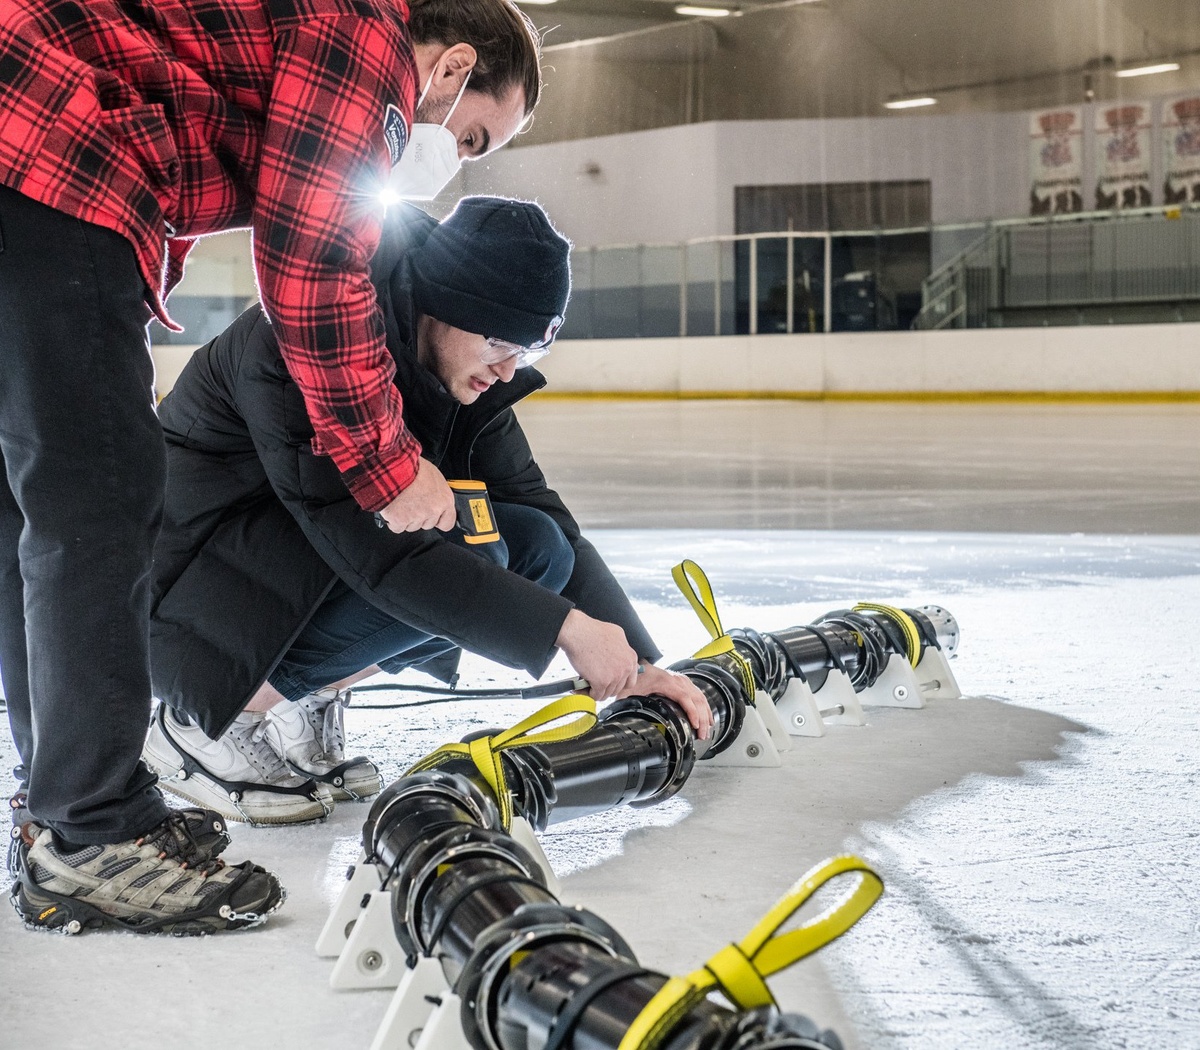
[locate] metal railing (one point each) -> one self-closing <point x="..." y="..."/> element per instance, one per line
<point x="753" y="284"/>
<point x="1069" y="267"/>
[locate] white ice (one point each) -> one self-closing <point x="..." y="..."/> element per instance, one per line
<point x="1039" y="840"/>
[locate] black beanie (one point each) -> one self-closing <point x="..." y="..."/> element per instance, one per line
<point x="495" y="267"/>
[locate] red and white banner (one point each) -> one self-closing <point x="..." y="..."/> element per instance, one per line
<point x="1181" y="150"/>
<point x="1056" y="161"/>
<point x="1123" y="156"/>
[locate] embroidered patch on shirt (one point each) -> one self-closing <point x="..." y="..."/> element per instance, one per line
<point x="395" y="132"/>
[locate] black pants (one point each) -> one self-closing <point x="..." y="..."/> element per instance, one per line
<point x="80" y="503"/>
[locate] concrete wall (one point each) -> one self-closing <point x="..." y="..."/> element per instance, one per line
<point x="1113" y="359"/>
<point x="673" y="184"/>
<point x="676" y="183"/>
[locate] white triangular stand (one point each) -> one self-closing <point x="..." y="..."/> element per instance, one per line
<point x="753" y="746"/>
<point x="797" y="709"/>
<point x="415" y="999"/>
<point x="363" y="878"/>
<point x="849" y="708"/>
<point x="839" y="703"/>
<point x="807" y="714"/>
<point x="765" y="706"/>
<point x="372" y="957"/>
<point x="935" y="677"/>
<point x="897" y="686"/>
<point x="522" y="831"/>
<point x="443" y="1030"/>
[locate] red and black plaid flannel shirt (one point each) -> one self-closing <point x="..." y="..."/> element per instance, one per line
<point x="168" y="119"/>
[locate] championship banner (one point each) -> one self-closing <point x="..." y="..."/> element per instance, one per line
<point x="1056" y="161"/>
<point x="1181" y="149"/>
<point x="1123" y="156"/>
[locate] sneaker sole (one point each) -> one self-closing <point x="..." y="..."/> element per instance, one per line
<point x="358" y="786"/>
<point x="44" y="910"/>
<point x="361" y="790"/>
<point x="163" y="759"/>
<point x="194" y="789"/>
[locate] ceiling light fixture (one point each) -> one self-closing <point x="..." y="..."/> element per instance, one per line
<point x="1145" y="71"/>
<point x="538" y="2"/>
<point x="911" y="103"/>
<point x="702" y="12"/>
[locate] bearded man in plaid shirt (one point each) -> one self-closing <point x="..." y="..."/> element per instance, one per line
<point x="128" y="128"/>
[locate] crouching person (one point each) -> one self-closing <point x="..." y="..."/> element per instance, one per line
<point x="274" y="590"/>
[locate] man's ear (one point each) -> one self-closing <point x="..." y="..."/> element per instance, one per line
<point x="453" y="65"/>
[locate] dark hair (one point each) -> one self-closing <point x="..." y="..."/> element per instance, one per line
<point x="508" y="46"/>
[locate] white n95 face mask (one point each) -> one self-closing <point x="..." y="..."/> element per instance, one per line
<point x="430" y="158"/>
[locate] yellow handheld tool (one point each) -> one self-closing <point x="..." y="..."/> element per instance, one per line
<point x="474" y="510"/>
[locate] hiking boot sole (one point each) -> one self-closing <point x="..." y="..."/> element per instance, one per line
<point x="42" y="909"/>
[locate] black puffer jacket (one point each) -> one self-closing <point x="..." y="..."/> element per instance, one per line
<point x="257" y="528"/>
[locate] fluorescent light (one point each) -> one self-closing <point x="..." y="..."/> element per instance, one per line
<point x="538" y="2"/>
<point x="911" y="103"/>
<point x="702" y="12"/>
<point x="1145" y="71"/>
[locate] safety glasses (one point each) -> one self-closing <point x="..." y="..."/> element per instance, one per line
<point x="498" y="350"/>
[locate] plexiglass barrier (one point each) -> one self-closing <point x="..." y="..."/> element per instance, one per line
<point x="1101" y="267"/>
<point x="751" y="284"/>
<point x="1095" y="268"/>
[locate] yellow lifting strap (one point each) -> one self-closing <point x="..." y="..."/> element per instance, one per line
<point x="485" y="751"/>
<point x="912" y="635"/>
<point x="694" y="586"/>
<point x="739" y="970"/>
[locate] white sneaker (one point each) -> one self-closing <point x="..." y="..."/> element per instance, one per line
<point x="309" y="734"/>
<point x="240" y="775"/>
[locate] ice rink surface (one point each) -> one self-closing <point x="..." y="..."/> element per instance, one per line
<point x="1038" y="839"/>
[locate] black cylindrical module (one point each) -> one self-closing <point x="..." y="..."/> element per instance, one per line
<point x="643" y="749"/>
<point x="573" y="996"/>
<point x="628" y="758"/>
<point x="812" y="652"/>
<point x="532" y="974"/>
<point x="767" y="658"/>
<point x="719" y="679"/>
<point x="570" y="937"/>
<point x="721" y="683"/>
<point x="883" y="627"/>
<point x="667" y="719"/>
<point x="393" y="827"/>
<point x="763" y="1029"/>
<point x="623" y="760"/>
<point x="879" y="637"/>
<point x="642" y="752"/>
<point x="468" y="898"/>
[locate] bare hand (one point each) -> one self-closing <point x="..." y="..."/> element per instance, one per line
<point x="680" y="689"/>
<point x="599" y="652"/>
<point x="427" y="503"/>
